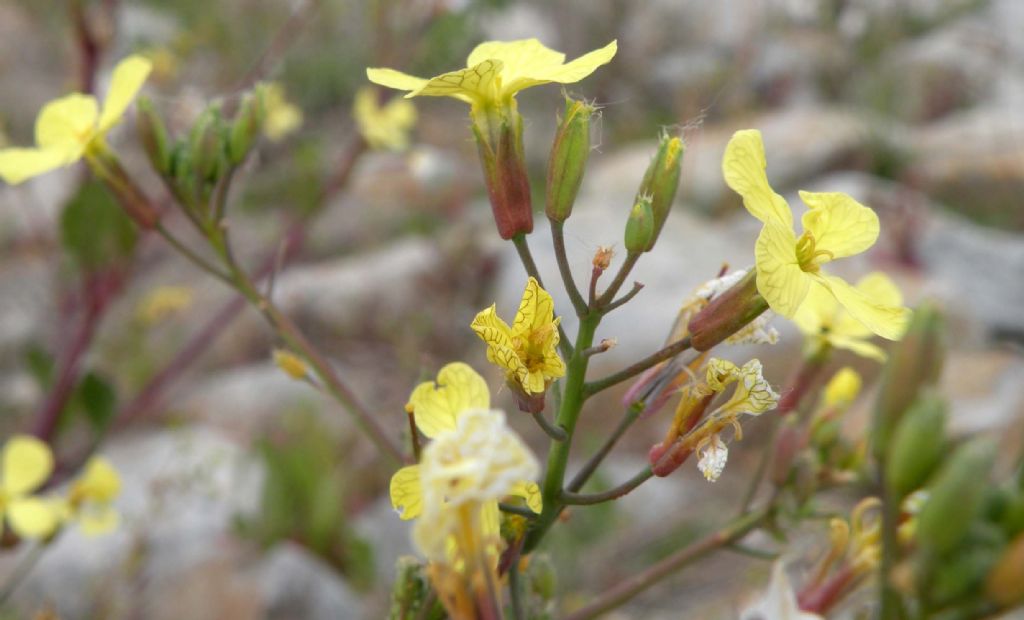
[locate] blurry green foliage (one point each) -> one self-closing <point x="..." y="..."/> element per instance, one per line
<point x="94" y="230"/>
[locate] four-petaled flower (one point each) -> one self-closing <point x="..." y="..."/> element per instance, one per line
<point x="789" y="267"/>
<point x="436" y="409"/>
<point x="527" y="350"/>
<point x="74" y="126"/>
<point x="27" y="463"/>
<point x="90" y="498"/>
<point x="825" y="321"/>
<point x="496" y="71"/>
<point x="383" y="126"/>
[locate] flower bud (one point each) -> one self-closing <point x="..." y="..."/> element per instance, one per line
<point x="1005" y="582"/>
<point x="153" y="135"/>
<point x="727" y="314"/>
<point x="247" y="126"/>
<point x="206" y="145"/>
<point x="915" y="362"/>
<point x="917" y="446"/>
<point x="293" y="365"/>
<point x="640" y="226"/>
<point x="568" y="159"/>
<point x="661" y="181"/>
<point x="956" y="497"/>
<point x="508" y="187"/>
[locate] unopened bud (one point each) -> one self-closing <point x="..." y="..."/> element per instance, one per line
<point x="914" y="363"/>
<point x="661" y="180"/>
<point x="917" y="446"/>
<point x="727" y="314"/>
<point x="956" y="497"/>
<point x="293" y="365"/>
<point x="153" y="135"/>
<point x="665" y="460"/>
<point x="206" y="145"/>
<point x="568" y="159"/>
<point x="1005" y="582"/>
<point x="640" y="226"/>
<point x="508" y="187"/>
<point x="602" y="258"/>
<point x="247" y="126"/>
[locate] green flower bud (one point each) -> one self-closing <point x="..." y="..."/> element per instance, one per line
<point x="508" y="187"/>
<point x="153" y="135"/>
<point x="727" y="313"/>
<point x="1005" y="582"/>
<point x="568" y="159"/>
<point x="915" y="363"/>
<point x="956" y="497"/>
<point x="917" y="446"/>
<point x="206" y="145"/>
<point x="640" y="226"/>
<point x="662" y="180"/>
<point x="247" y="126"/>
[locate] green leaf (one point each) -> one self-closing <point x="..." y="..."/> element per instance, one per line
<point x="40" y="364"/>
<point x="98" y="401"/>
<point x="94" y="229"/>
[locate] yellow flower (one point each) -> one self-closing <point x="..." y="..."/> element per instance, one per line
<point x="293" y="365"/>
<point x="527" y="350"/>
<point x="281" y="116"/>
<point x="383" y="127"/>
<point x="27" y="463"/>
<point x="496" y="71"/>
<point x="91" y="497"/>
<point x="842" y="389"/>
<point x="436" y="409"/>
<point x="163" y="302"/>
<point x="824" y="320"/>
<point x="789" y="267"/>
<point x="73" y="126"/>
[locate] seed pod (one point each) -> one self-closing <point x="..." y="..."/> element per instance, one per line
<point x="508" y="187"/>
<point x="956" y="497"/>
<point x="568" y="159"/>
<point x="917" y="446"/>
<point x="640" y="226"/>
<point x="206" y="145"/>
<point x="727" y="313"/>
<point x="246" y="128"/>
<point x="661" y="180"/>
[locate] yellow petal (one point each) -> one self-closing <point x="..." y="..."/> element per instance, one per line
<point x="473" y="84"/>
<point x="536" y="310"/>
<point x="843" y="388"/>
<point x="18" y="165"/>
<point x="100" y="482"/>
<point x="859" y="346"/>
<point x="878" y="287"/>
<point x="530" y="492"/>
<point x="498" y="336"/>
<point x="31" y="517"/>
<point x="817" y="312"/>
<point x="437" y="406"/>
<point x="70" y="120"/>
<point x="840" y="225"/>
<point x="27" y="463"/>
<point x="129" y="76"/>
<point x="886" y="320"/>
<point x="406" y="492"/>
<point x="743" y="167"/>
<point x="720" y="373"/>
<point x="519" y="57"/>
<point x="395" y="79"/>
<point x="536" y="66"/>
<point x="779" y="278"/>
<point x="401" y="113"/>
<point x="98" y="522"/>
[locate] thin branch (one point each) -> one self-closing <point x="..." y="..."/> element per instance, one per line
<point x="558" y="240"/>
<point x="593" y="462"/>
<point x="661" y="355"/>
<point x="21" y="570"/>
<point x="762" y="466"/>
<point x="197" y="260"/>
<point x="554" y="432"/>
<point x="579" y="499"/>
<point x="625" y="299"/>
<point x="522" y="511"/>
<point x="620" y="277"/>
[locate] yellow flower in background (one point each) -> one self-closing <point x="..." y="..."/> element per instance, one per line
<point x="822" y="318"/>
<point x="74" y="126"/>
<point x="789" y="267"/>
<point x="90" y="500"/>
<point x="282" y="117"/>
<point x="436" y="409"/>
<point x="27" y="463"/>
<point x="383" y="127"/>
<point x="164" y="302"/>
<point x="292" y="365"/>
<point x="842" y="389"/>
<point x="527" y="351"/>
<point x="496" y="71"/>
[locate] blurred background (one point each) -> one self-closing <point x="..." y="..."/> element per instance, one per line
<point x="249" y="495"/>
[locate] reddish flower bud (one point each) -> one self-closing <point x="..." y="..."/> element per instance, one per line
<point x="727" y="314"/>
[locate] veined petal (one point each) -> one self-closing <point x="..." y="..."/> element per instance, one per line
<point x="534" y="70"/>
<point x="65" y="121"/>
<point x="519" y="57"/>
<point x="437" y="406"/>
<point x="128" y="77"/>
<point x="818" y="311"/>
<point x="31" y="517"/>
<point x="536" y="310"/>
<point x="395" y="79"/>
<point x="98" y="522"/>
<point x="471" y="84"/>
<point x="886" y="320"/>
<point x="529" y="491"/>
<point x="498" y="336"/>
<point x="779" y="278"/>
<point x="720" y="373"/>
<point x="876" y="286"/>
<point x="840" y="225"/>
<point x="859" y="346"/>
<point x="18" y="165"/>
<point x="743" y="167"/>
<point x="27" y="463"/>
<point x="407" y="492"/>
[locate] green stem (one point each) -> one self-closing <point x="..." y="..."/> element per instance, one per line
<point x="558" y="240"/>
<point x="558" y="454"/>
<point x="661" y="355"/>
<point x="194" y="258"/>
<point x="549" y="429"/>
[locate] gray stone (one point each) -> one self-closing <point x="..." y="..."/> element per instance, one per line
<point x="296" y="584"/>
